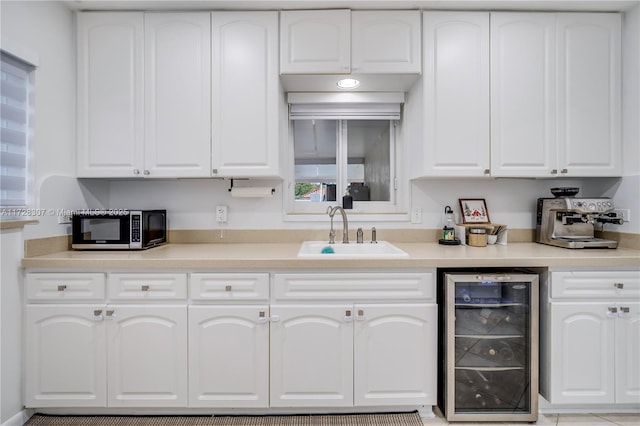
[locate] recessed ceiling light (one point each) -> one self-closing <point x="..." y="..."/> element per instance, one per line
<point x="348" y="83"/>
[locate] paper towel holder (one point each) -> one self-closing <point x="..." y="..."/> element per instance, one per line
<point x="273" y="190"/>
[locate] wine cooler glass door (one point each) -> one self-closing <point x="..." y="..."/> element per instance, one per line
<point x="491" y="358"/>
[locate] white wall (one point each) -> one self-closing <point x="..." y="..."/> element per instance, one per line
<point x="47" y="29"/>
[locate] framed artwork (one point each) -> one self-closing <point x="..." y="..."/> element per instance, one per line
<point x="474" y="210"/>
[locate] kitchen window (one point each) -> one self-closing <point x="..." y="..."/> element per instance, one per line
<point x="16" y="102"/>
<point x="344" y="147"/>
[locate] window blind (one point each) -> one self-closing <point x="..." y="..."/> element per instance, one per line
<point x="15" y="112"/>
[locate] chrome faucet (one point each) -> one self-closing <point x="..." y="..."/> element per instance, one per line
<point x="331" y="211"/>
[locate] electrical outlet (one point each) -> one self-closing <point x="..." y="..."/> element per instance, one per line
<point x="221" y="214"/>
<point x="624" y="213"/>
<point x="416" y="215"/>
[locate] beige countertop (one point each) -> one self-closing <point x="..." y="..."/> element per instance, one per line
<point x="268" y="256"/>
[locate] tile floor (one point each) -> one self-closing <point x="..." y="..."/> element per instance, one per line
<point x="556" y="420"/>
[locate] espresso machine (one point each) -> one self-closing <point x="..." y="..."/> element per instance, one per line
<point x="570" y="222"/>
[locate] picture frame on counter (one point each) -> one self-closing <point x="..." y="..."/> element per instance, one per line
<point x="474" y="210"/>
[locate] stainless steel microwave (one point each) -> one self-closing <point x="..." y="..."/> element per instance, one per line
<point x="118" y="229"/>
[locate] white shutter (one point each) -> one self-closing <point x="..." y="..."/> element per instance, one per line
<point x="15" y="112"/>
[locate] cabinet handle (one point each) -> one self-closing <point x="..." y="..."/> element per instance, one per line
<point x="564" y="171"/>
<point x="111" y="313"/>
<point x="554" y="171"/>
<point x="144" y="288"/>
<point x="262" y="318"/>
<point x="618" y="285"/>
<point x="624" y="311"/>
<point x="360" y="316"/>
<point x="97" y="315"/>
<point x="612" y="312"/>
<point x="347" y="315"/>
<point x="214" y="171"/>
<point x="136" y="172"/>
<point x="487" y="171"/>
<point x="62" y="287"/>
<point x="227" y="288"/>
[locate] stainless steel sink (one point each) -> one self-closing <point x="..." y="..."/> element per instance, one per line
<point x="322" y="249"/>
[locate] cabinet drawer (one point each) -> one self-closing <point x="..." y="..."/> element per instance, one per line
<point x="56" y="286"/>
<point x="383" y="286"/>
<point x="595" y="284"/>
<point x="147" y="286"/>
<point x="229" y="286"/>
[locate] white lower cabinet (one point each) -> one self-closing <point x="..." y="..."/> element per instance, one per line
<point x="229" y="356"/>
<point x="65" y="356"/>
<point x="230" y="340"/>
<point x="591" y="342"/>
<point x="312" y="355"/>
<point x="394" y="354"/>
<point x="147" y="356"/>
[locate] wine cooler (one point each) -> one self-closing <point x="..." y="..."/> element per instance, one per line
<point x="490" y="347"/>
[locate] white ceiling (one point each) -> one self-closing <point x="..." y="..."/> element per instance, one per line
<point x="547" y="5"/>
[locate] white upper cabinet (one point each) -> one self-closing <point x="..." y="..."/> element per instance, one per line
<point x="455" y="94"/>
<point x="144" y="94"/>
<point x="522" y="94"/>
<point x="341" y="42"/>
<point x="177" y="95"/>
<point x="315" y="42"/>
<point x="555" y="94"/>
<point x="589" y="94"/>
<point x="385" y="42"/>
<point x="110" y="91"/>
<point x="246" y="99"/>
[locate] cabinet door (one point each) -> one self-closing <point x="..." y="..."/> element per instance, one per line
<point x="311" y="356"/>
<point x="628" y="353"/>
<point x="582" y="359"/>
<point x="245" y="103"/>
<point x="523" y="94"/>
<point x="177" y="95"/>
<point x="147" y="347"/>
<point x="229" y="356"/>
<point x="394" y="356"/>
<point x="456" y="94"/>
<point x="589" y="94"/>
<point x="65" y="364"/>
<point x="110" y="94"/>
<point x="386" y="42"/>
<point x="315" y="42"/>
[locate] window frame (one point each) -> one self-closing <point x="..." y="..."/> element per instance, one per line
<point x="363" y="211"/>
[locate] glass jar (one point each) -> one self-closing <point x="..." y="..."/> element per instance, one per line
<point x="478" y="237"/>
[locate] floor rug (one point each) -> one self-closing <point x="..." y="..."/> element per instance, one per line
<point x="391" y="419"/>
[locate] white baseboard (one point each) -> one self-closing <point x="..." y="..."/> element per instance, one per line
<point x="19" y="419"/>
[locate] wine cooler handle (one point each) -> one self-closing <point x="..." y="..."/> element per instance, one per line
<point x="496" y="277"/>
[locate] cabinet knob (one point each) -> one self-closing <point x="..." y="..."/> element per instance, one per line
<point x="564" y="171"/>
<point x="97" y="315"/>
<point x="618" y="285"/>
<point x="262" y="317"/>
<point x="554" y="171"/>
<point x="347" y="315"/>
<point x="227" y="288"/>
<point x="62" y="287"/>
<point x="214" y="171"/>
<point x="111" y="313"/>
<point x="624" y="310"/>
<point x="136" y="172"/>
<point x="487" y="171"/>
<point x="360" y="316"/>
<point x="144" y="288"/>
<point x="147" y="172"/>
<point x="612" y="312"/>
